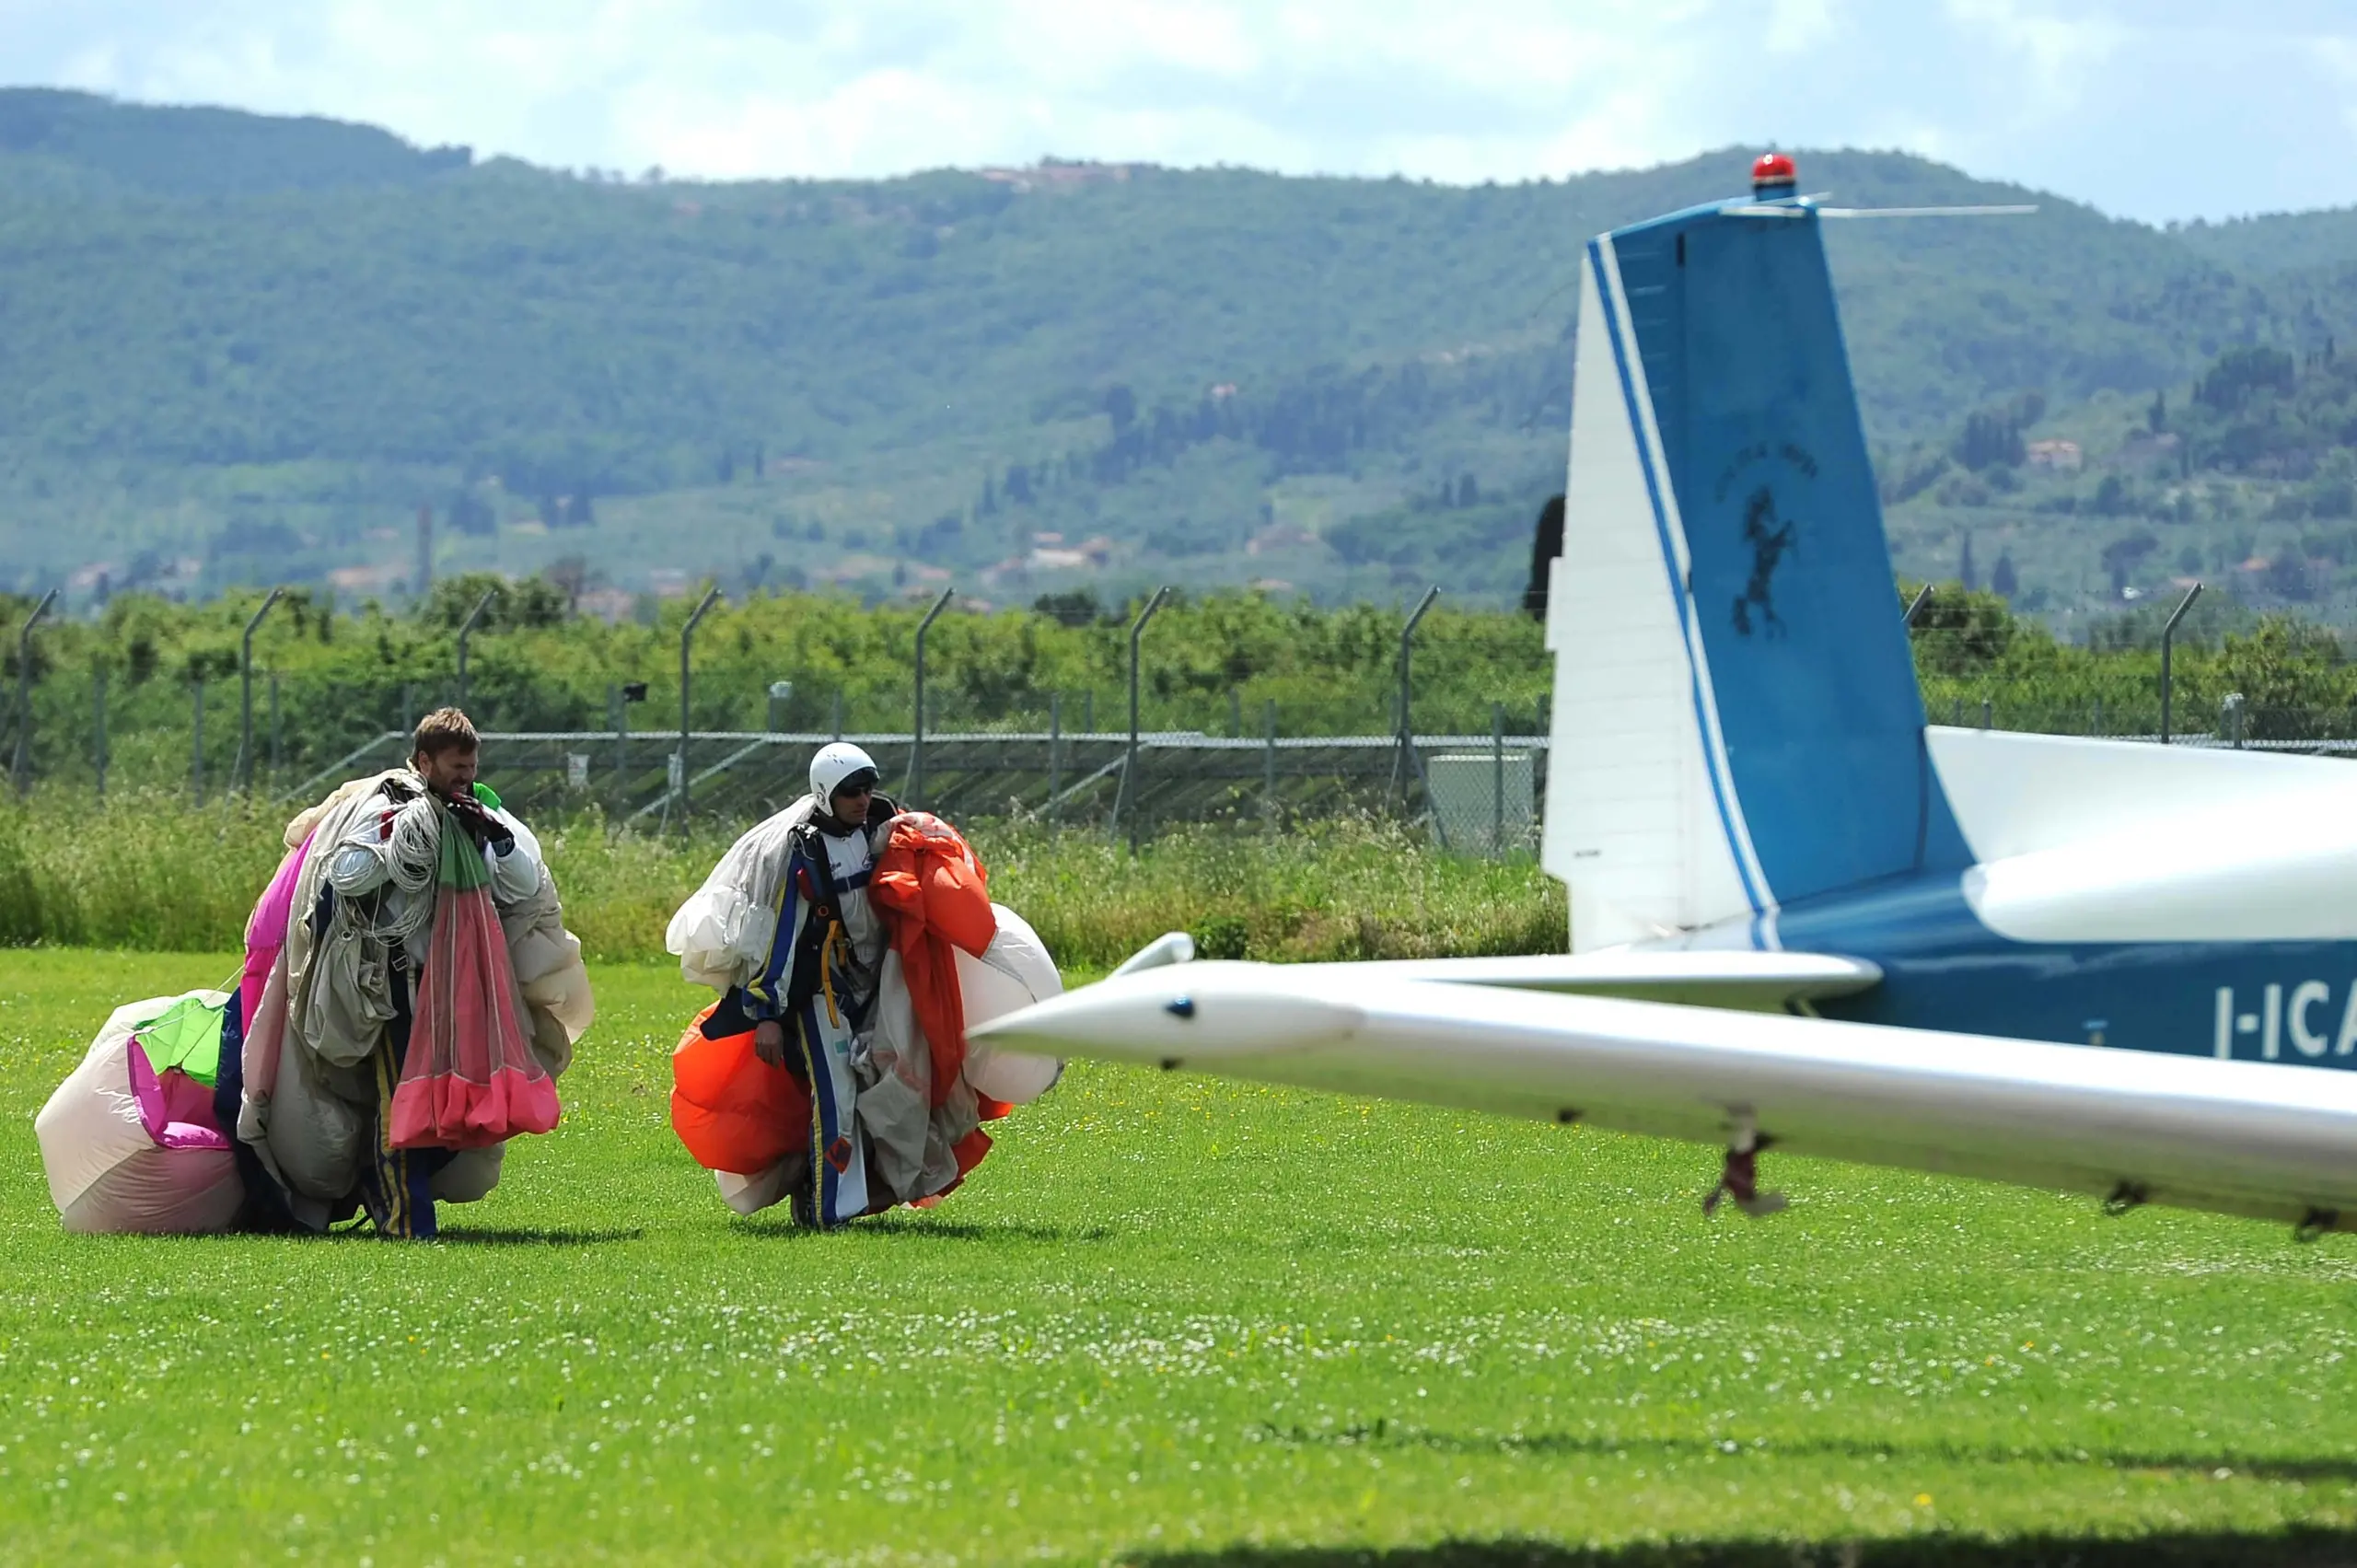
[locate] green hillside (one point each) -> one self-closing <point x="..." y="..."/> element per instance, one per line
<point x="2275" y="242"/>
<point x="185" y="152"/>
<point x="245" y="349"/>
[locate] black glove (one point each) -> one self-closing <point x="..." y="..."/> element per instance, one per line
<point x="487" y="830"/>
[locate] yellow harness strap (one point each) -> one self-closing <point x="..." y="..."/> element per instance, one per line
<point x="827" y="968"/>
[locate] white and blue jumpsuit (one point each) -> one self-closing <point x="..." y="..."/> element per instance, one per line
<point x="819" y="981"/>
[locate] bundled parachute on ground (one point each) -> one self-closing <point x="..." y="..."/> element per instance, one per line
<point x="130" y="1139"/>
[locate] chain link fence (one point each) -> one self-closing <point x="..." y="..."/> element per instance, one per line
<point x="1478" y="794"/>
<point x="655" y="755"/>
<point x="1074" y="764"/>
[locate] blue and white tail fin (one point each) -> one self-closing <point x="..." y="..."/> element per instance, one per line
<point x="1736" y="722"/>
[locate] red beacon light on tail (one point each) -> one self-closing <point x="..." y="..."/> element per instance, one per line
<point x="1773" y="175"/>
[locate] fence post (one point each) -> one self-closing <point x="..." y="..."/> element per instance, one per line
<point x="686" y="641"/>
<point x="277" y="734"/>
<point x="241" y="777"/>
<point x="1055" y="754"/>
<point x="916" y="731"/>
<point x="466" y="632"/>
<point x="781" y="693"/>
<point x="2168" y="638"/>
<point x="1121" y="798"/>
<point x="196" y="747"/>
<point x="1088" y="711"/>
<point x="1236" y="711"/>
<point x="1399" y="764"/>
<point x="21" y="770"/>
<point x="620" y="717"/>
<point x="1915" y="606"/>
<point x="2234" y="718"/>
<point x="1269" y="761"/>
<point x="99" y="726"/>
<point x="1497" y="780"/>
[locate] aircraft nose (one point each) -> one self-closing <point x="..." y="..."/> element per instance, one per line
<point x="1176" y="1014"/>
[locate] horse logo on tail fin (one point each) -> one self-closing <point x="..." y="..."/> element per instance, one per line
<point x="1770" y="537"/>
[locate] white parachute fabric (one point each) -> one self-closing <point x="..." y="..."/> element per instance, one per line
<point x="915" y="1142"/>
<point x="306" y="1089"/>
<point x="551" y="980"/>
<point x="721" y="935"/>
<point x="1014" y="971"/>
<point x="752" y="1194"/>
<point x="106" y="1172"/>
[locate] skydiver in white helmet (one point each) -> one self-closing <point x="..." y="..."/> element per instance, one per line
<point x="803" y="950"/>
<point x="828" y="941"/>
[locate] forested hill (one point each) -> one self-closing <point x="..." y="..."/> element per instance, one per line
<point x="2276" y="242"/>
<point x="239" y="347"/>
<point x="185" y="152"/>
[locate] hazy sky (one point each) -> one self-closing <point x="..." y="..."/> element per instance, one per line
<point x="2151" y="109"/>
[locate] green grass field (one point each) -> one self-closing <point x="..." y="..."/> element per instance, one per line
<point x="1169" y="1319"/>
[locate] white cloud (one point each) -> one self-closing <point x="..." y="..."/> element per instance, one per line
<point x="2339" y="57"/>
<point x="1794" y="27"/>
<point x="2072" y="94"/>
<point x="2061" y="51"/>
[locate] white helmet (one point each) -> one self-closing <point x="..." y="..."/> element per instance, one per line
<point x="835" y="762"/>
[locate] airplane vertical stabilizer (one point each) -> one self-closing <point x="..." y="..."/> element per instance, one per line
<point x="1736" y="722"/>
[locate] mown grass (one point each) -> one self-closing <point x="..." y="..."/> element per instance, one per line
<point x="1169" y="1319"/>
<point x="151" y="872"/>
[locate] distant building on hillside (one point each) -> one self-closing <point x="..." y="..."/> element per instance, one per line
<point x="1050" y="175"/>
<point x="1280" y="535"/>
<point x="372" y="580"/>
<point x="2063" y="456"/>
<point x="611" y="606"/>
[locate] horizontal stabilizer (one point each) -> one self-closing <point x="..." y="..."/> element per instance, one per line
<point x="2017" y="209"/>
<point x="1795" y="210"/>
<point x="2236" y="1137"/>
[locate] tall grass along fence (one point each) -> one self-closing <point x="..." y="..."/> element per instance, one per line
<point x="155" y="872"/>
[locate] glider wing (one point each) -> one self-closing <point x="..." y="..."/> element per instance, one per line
<point x="2236" y="1137"/>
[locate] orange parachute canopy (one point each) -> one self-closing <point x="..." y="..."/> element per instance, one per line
<point x="733" y="1111"/>
<point x="934" y="896"/>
